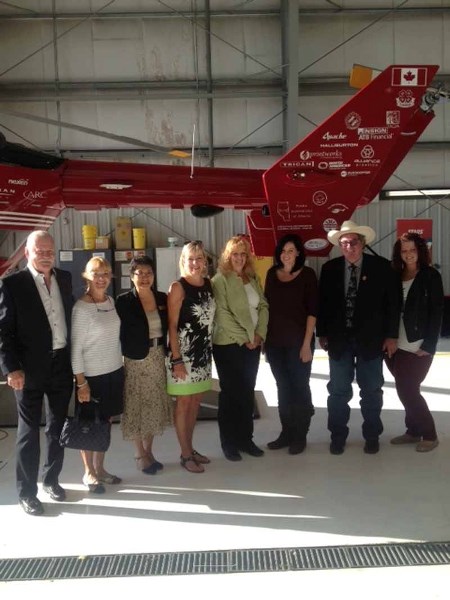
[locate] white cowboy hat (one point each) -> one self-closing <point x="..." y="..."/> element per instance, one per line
<point x="351" y="227"/>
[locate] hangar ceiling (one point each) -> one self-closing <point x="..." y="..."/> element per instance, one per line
<point x="239" y="80"/>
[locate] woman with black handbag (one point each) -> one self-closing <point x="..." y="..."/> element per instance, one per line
<point x="97" y="362"/>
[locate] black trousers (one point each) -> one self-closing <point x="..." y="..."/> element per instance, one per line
<point x="295" y="406"/>
<point x="58" y="390"/>
<point x="237" y="367"/>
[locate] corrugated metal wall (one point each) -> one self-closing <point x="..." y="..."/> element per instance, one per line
<point x="160" y="224"/>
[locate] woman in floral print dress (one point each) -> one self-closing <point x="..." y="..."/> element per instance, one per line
<point x="191" y="309"/>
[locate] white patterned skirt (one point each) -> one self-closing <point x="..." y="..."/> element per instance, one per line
<point x="148" y="409"/>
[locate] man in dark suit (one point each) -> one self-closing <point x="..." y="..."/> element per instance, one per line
<point x="358" y="320"/>
<point x="35" y="313"/>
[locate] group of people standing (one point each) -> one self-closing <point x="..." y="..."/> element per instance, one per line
<point x="131" y="356"/>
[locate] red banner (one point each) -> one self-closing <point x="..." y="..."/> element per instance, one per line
<point x="423" y="227"/>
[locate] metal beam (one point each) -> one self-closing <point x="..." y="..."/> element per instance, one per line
<point x="289" y="40"/>
<point x="83" y="91"/>
<point x="274" y="149"/>
<point x="89" y="91"/>
<point x="304" y="12"/>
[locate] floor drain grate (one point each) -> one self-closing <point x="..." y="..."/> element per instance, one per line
<point x="225" y="561"/>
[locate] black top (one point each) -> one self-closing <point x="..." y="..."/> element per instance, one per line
<point x="423" y="309"/>
<point x="377" y="307"/>
<point x="26" y="340"/>
<point x="290" y="303"/>
<point x="134" y="330"/>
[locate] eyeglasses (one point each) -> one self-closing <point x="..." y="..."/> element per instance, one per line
<point x="349" y="243"/>
<point x="100" y="275"/>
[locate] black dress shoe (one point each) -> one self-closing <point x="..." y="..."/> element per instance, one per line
<point x="297" y="447"/>
<point x="31" y="506"/>
<point x="252" y="449"/>
<point x="232" y="454"/>
<point x="337" y="448"/>
<point x="371" y="446"/>
<point x="55" y="491"/>
<point x="280" y="442"/>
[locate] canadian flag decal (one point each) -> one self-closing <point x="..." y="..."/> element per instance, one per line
<point x="409" y="76"/>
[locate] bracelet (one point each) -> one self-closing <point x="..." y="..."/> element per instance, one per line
<point x="81" y="385"/>
<point x="177" y="361"/>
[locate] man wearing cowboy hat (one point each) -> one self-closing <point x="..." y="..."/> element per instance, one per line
<point x="358" y="320"/>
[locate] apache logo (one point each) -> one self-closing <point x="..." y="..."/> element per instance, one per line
<point x="334" y="136"/>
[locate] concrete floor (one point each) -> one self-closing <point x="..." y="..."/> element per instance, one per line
<point x="314" y="499"/>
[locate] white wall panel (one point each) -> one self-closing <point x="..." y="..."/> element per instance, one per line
<point x="237" y="118"/>
<point x="236" y="43"/>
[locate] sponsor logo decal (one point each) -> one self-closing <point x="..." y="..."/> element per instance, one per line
<point x="320" y="198"/>
<point x="334" y="136"/>
<point x="354" y="173"/>
<point x="330" y="224"/>
<point x="375" y="133"/>
<point x="327" y="154"/>
<point x="337" y="208"/>
<point x="367" y="152"/>
<point x="316" y="244"/>
<point x="393" y="118"/>
<point x="283" y="210"/>
<point x="18" y="181"/>
<point x="34" y="195"/>
<point x="353" y="120"/>
<point x="405" y="99"/>
<point x="292" y="163"/>
<point x="7" y="192"/>
<point x="340" y="145"/>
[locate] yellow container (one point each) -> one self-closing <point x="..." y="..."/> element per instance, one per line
<point x="89" y="233"/>
<point x="139" y="238"/>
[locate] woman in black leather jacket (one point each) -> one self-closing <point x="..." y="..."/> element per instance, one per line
<point x="420" y="324"/>
<point x="143" y="334"/>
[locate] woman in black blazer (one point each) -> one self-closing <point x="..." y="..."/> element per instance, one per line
<point x="420" y="325"/>
<point x="143" y="335"/>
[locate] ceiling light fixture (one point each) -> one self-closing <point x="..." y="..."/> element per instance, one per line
<point x="388" y="194"/>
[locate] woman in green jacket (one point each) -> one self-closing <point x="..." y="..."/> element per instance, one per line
<point x="240" y="327"/>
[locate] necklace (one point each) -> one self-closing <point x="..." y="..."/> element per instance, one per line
<point x="102" y="310"/>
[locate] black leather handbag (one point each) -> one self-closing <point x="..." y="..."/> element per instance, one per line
<point x="81" y="433"/>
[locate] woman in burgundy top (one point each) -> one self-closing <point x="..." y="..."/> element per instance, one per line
<point x="292" y="293"/>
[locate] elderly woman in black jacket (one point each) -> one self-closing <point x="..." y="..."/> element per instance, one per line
<point x="143" y="333"/>
<point x="423" y="302"/>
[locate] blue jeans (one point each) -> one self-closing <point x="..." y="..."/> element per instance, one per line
<point x="295" y="406"/>
<point x="369" y="376"/>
